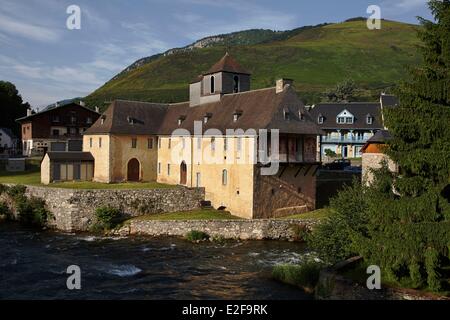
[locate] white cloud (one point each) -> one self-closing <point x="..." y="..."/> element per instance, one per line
<point x="28" y="30"/>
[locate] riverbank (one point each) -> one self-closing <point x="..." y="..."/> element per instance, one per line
<point x="260" y="229"/>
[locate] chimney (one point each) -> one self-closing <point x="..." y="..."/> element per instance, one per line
<point x="97" y="109"/>
<point x="282" y="83"/>
<point x="29" y="112"/>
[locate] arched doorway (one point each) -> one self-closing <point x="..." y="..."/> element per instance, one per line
<point x="133" y="170"/>
<point x="183" y="173"/>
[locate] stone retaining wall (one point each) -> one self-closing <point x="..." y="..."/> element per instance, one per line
<point x="229" y="229"/>
<point x="74" y="209"/>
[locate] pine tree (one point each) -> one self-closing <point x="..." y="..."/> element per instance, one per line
<point x="409" y="224"/>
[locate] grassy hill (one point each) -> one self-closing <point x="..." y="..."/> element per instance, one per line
<point x="315" y="57"/>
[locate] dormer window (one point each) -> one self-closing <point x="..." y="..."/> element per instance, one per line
<point x="207" y="117"/>
<point x="301" y="115"/>
<point x="213" y="84"/>
<point x="320" y="119"/>
<point x="286" y="115"/>
<point x="369" y="119"/>
<point x="236" y="84"/>
<point x="181" y="119"/>
<point x="345" y="117"/>
<point x="130" y="120"/>
<point x="236" y="115"/>
<point x="102" y="119"/>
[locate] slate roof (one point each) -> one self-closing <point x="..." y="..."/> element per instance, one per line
<point x="258" y="109"/>
<point x="381" y="136"/>
<point x="329" y="111"/>
<point x="227" y="64"/>
<point x="70" y="156"/>
<point x="48" y="109"/>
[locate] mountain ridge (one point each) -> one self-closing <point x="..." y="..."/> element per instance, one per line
<point x="316" y="57"/>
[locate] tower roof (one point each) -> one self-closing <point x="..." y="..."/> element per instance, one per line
<point x="227" y="64"/>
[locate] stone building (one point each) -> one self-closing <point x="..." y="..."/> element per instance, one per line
<point x="373" y="155"/>
<point x="212" y="141"/>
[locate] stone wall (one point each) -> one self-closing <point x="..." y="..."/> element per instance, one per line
<point x="74" y="210"/>
<point x="228" y="229"/>
<point x="374" y="161"/>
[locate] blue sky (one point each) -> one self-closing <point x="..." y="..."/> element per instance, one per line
<point x="48" y="62"/>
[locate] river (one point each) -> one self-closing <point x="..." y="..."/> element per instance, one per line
<point x="33" y="265"/>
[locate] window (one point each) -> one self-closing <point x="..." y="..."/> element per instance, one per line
<point x="73" y="119"/>
<point x="88" y="120"/>
<point x="225" y="144"/>
<point x="236" y="84"/>
<point x="55" y="132"/>
<point x="235" y="117"/>
<point x="320" y="120"/>
<point x="180" y="122"/>
<point x="205" y="119"/>
<point x="224" y="177"/>
<point x="286" y="115"/>
<point x="239" y="144"/>
<point x="369" y="119"/>
<point x="150" y="143"/>
<point x="134" y="143"/>
<point x="183" y="143"/>
<point x="73" y="130"/>
<point x="340" y="120"/>
<point x="159" y="167"/>
<point x="213" y="85"/>
<point x="170" y="143"/>
<point x="349" y="120"/>
<point x="301" y="116"/>
<point x="213" y="143"/>
<point x="102" y="121"/>
<point x="159" y="143"/>
<point x="168" y="169"/>
<point x="90" y="142"/>
<point x="199" y="143"/>
<point x="99" y="142"/>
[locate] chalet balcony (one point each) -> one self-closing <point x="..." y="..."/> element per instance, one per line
<point x="358" y="140"/>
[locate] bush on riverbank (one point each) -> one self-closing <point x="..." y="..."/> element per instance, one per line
<point x="196" y="235"/>
<point x="30" y="211"/>
<point x="107" y="218"/>
<point x="305" y="275"/>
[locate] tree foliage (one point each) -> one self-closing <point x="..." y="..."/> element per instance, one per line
<point x="402" y="222"/>
<point x="343" y="92"/>
<point x="12" y="107"/>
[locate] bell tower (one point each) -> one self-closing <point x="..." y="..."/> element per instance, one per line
<point x="227" y="76"/>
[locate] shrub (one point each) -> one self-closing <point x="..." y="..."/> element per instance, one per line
<point x="300" y="231"/>
<point x="195" y="235"/>
<point x="305" y="275"/>
<point x="32" y="211"/>
<point x="107" y="217"/>
<point x="330" y="153"/>
<point x="3" y="188"/>
<point x="332" y="238"/>
<point x="4" y="210"/>
<point x="16" y="191"/>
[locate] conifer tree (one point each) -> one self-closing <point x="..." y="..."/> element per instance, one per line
<point x="408" y="228"/>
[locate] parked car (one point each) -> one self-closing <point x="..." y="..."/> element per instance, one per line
<point x="338" y="164"/>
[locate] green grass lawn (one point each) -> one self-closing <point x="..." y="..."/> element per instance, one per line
<point x="206" y="214"/>
<point x="33" y="177"/>
<point x="316" y="214"/>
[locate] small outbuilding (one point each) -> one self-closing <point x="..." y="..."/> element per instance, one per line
<point x="373" y="155"/>
<point x="67" y="166"/>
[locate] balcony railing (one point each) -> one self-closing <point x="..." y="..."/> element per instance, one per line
<point x="345" y="140"/>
